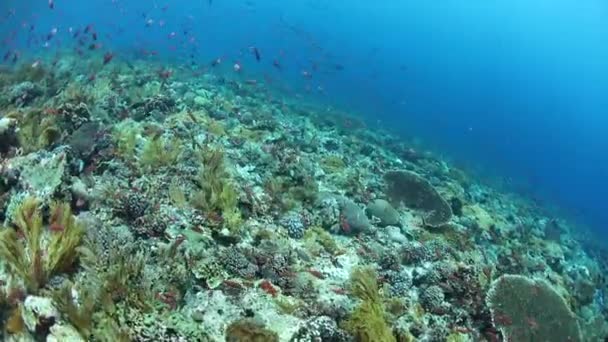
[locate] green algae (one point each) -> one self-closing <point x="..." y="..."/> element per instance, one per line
<point x="125" y="136"/>
<point x="37" y="130"/>
<point x="38" y="257"/>
<point x="368" y="321"/>
<point x="158" y="152"/>
<point x="80" y="314"/>
<point x="217" y="193"/>
<point x="216" y="128"/>
<point x="333" y="164"/>
<point x="119" y="291"/>
<point x="318" y="235"/>
<point x="177" y="194"/>
<point x="307" y="192"/>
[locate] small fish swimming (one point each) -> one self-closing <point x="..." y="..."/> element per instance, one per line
<point x="51" y="34"/>
<point x="107" y="58"/>
<point x="216" y="62"/>
<point x="256" y="53"/>
<point x="52" y="4"/>
<point x="276" y="64"/>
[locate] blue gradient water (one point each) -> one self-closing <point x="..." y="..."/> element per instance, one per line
<point x="517" y="90"/>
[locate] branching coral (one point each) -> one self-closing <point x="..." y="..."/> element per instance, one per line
<point x="368" y="323"/>
<point x="35" y="257"/>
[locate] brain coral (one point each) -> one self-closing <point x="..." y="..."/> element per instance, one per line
<point x="417" y="193"/>
<point x="525" y="310"/>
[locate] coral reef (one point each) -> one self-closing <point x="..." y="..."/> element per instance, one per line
<point x="160" y="206"/>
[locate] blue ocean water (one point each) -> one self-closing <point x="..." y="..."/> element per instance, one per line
<point x="516" y="90"/>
